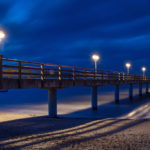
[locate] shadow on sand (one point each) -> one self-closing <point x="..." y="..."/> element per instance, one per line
<point x="30" y="132"/>
<point x="112" y="110"/>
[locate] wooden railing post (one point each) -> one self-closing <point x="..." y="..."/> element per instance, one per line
<point x="1" y="72"/>
<point x="59" y="73"/>
<point x="85" y="74"/>
<point x="127" y="76"/>
<point x="115" y="76"/>
<point x="102" y="75"/>
<point x="135" y="77"/>
<point x="78" y="74"/>
<point x="42" y="71"/>
<point x="138" y="77"/>
<point x="19" y="74"/>
<point x="73" y="73"/>
<point x="29" y="72"/>
<point x="9" y="70"/>
<point x="132" y="77"/>
<point x="123" y="76"/>
<point x="119" y="76"/>
<point x="108" y="76"/>
<point x="94" y="74"/>
<point x="19" y="70"/>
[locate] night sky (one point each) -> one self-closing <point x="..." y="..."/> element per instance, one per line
<point x="69" y="31"/>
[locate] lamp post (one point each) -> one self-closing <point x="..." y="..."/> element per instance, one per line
<point x="143" y="70"/>
<point x="96" y="58"/>
<point x="128" y="66"/>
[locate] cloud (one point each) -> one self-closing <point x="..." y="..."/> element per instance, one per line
<point x="68" y="32"/>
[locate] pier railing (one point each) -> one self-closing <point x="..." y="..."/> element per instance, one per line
<point x="10" y="68"/>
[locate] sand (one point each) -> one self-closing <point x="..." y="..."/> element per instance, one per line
<point x="13" y="116"/>
<point x="124" y="126"/>
<point x="40" y="132"/>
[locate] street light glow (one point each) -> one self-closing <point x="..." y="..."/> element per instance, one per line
<point x="143" y="69"/>
<point x="2" y="35"/>
<point x="95" y="57"/>
<point x="128" y="66"/>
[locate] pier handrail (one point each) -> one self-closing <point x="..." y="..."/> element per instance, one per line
<point x="12" y="68"/>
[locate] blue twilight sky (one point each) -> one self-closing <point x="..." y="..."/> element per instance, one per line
<point x="69" y="31"/>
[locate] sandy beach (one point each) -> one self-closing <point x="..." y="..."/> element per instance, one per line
<point x="124" y="126"/>
<point x="28" y="132"/>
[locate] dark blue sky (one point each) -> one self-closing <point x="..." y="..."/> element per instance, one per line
<point x="69" y="31"/>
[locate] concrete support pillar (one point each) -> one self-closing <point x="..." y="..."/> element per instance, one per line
<point x="147" y="88"/>
<point x="94" y="97"/>
<point x="117" y="94"/>
<point x="140" y="89"/>
<point x="131" y="92"/>
<point x="52" y="102"/>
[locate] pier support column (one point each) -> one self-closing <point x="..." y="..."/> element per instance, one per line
<point x="94" y="97"/>
<point x="117" y="94"/>
<point x="131" y="92"/>
<point x="52" y="102"/>
<point x="140" y="90"/>
<point x="147" y="88"/>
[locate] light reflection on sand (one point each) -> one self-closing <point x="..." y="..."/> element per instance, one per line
<point x="80" y="106"/>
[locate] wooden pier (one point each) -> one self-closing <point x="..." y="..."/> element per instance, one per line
<point x="17" y="74"/>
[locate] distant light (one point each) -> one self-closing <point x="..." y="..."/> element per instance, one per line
<point x="128" y="65"/>
<point x="95" y="57"/>
<point x="2" y="35"/>
<point x="143" y="69"/>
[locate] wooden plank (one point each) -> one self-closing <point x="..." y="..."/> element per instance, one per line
<point x="10" y="66"/>
<point x="30" y="68"/>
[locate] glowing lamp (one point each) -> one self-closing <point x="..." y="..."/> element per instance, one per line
<point x="143" y="69"/>
<point x="96" y="58"/>
<point x="2" y="35"/>
<point x="128" y="66"/>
